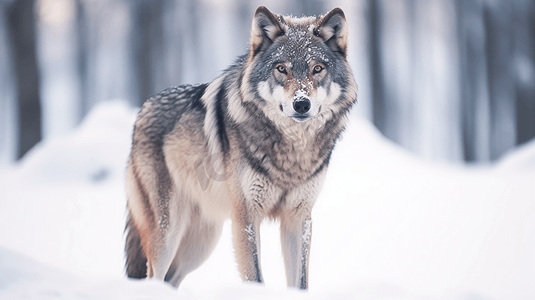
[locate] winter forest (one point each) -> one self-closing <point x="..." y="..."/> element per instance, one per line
<point x="429" y="193"/>
<point x="449" y="80"/>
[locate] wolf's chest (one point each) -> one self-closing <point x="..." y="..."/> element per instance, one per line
<point x="289" y="163"/>
<point x="288" y="157"/>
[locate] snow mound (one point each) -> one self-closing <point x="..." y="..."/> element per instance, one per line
<point x="95" y="151"/>
<point x="24" y="278"/>
<point x="520" y="158"/>
<point x="65" y="199"/>
<point x="16" y="269"/>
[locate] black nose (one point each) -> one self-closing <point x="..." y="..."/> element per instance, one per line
<point x="302" y="105"/>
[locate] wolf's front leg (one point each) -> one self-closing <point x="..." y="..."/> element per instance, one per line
<point x="296" y="233"/>
<point x="246" y="237"/>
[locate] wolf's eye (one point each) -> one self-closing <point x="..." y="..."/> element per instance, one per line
<point x="317" y="69"/>
<point x="281" y="69"/>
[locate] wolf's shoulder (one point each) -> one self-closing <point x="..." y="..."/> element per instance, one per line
<point x="178" y="95"/>
<point x="172" y="101"/>
<point x="162" y="111"/>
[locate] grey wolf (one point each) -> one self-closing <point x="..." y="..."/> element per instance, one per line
<point x="254" y="143"/>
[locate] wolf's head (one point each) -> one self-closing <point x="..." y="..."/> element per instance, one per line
<point x="297" y="68"/>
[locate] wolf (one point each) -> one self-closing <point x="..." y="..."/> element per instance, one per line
<point x="255" y="143"/>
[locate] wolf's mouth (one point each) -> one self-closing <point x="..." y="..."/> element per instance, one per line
<point x="300" y="117"/>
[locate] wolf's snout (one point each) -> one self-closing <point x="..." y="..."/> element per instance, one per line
<point x="302" y="105"/>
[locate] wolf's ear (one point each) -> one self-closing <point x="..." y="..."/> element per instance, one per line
<point x="266" y="28"/>
<point x="332" y="28"/>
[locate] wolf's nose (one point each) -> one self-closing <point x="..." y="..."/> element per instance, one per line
<point x="302" y="105"/>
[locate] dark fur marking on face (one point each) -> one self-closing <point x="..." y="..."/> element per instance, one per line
<point x="324" y="82"/>
<point x="271" y="87"/>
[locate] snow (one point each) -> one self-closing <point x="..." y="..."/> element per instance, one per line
<point x="522" y="158"/>
<point x="387" y="225"/>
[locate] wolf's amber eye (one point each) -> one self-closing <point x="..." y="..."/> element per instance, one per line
<point x="281" y="69"/>
<point x="317" y="69"/>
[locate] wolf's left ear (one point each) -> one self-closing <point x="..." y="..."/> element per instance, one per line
<point x="266" y="28"/>
<point x="332" y="28"/>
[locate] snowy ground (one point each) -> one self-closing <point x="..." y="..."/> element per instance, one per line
<point x="387" y="226"/>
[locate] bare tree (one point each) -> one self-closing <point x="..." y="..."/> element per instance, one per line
<point x="473" y="80"/>
<point x="20" y="14"/>
<point x="498" y="24"/>
<point x="82" y="48"/>
<point x="172" y="61"/>
<point x="376" y="64"/>
<point x="244" y="13"/>
<point x="191" y="29"/>
<point x="147" y="45"/>
<point x="524" y="67"/>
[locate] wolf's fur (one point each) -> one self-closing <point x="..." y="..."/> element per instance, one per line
<point x="254" y="143"/>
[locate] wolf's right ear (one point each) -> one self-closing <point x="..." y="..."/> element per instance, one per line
<point x="332" y="28"/>
<point x="266" y="28"/>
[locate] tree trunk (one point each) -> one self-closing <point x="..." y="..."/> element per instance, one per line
<point x="499" y="33"/>
<point x="82" y="47"/>
<point x="524" y="62"/>
<point x="147" y="44"/>
<point x="376" y="65"/>
<point x="20" y="14"/>
<point x="475" y="121"/>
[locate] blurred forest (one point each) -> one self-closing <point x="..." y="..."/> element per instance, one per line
<point x="450" y="80"/>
